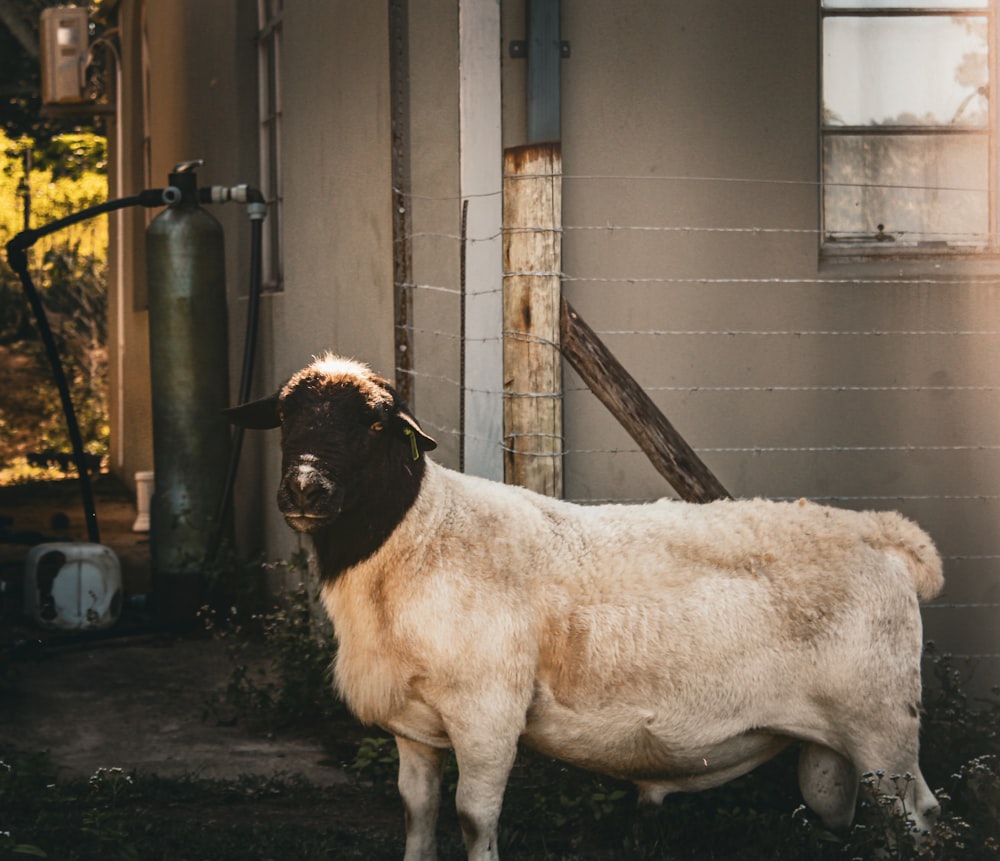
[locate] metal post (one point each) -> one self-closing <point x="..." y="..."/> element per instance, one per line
<point x="544" y="53"/>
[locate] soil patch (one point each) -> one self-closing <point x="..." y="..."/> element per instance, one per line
<point x="132" y="698"/>
<point x="142" y="704"/>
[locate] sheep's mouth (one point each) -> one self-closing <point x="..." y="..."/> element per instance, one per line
<point x="308" y="515"/>
<point x="307" y="521"/>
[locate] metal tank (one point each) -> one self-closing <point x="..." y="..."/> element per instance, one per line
<point x="190" y="388"/>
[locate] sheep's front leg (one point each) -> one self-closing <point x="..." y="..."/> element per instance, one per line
<point x="483" y="768"/>
<point x="420" y="769"/>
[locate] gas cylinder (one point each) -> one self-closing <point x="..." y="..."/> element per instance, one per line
<point x="190" y="388"/>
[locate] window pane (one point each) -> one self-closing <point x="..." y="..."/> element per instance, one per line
<point x="930" y="188"/>
<point x="922" y="70"/>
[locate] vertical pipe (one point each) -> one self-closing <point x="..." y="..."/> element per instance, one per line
<point x="463" y="242"/>
<point x="544" y="54"/>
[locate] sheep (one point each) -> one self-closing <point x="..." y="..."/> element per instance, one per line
<point x="674" y="645"/>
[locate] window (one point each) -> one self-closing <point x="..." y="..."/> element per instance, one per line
<point x="269" y="14"/>
<point x="907" y="126"/>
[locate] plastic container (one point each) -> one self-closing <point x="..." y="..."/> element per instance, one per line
<point x="72" y="586"/>
<point x="143" y="497"/>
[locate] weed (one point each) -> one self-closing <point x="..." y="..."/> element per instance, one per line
<point x="295" y="686"/>
<point x="377" y="761"/>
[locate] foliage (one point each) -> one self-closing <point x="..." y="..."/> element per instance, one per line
<point x="69" y="271"/>
<point x="295" y="687"/>
<point x="376" y="761"/>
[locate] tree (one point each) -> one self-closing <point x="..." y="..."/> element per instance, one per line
<point x="59" y="163"/>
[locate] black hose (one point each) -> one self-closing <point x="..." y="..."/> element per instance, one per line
<point x="26" y="238"/>
<point x="253" y="310"/>
<point x="18" y="260"/>
<point x="246" y="378"/>
<point x="16" y="257"/>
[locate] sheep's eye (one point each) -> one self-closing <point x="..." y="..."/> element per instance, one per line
<point x="377" y="426"/>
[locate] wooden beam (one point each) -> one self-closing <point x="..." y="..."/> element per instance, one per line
<point x="634" y="409"/>
<point x="532" y="257"/>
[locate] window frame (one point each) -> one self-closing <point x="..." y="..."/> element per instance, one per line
<point x="880" y="244"/>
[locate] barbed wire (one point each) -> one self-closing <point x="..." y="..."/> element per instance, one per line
<point x="579" y="282"/>
<point x="843" y="236"/>
<point x="705" y="179"/>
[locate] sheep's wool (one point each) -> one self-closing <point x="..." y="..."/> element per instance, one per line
<point x="675" y="645"/>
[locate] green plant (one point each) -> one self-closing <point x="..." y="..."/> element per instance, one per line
<point x="105" y="818"/>
<point x="376" y="761"/>
<point x="117" y="816"/>
<point x="70" y="273"/>
<point x="294" y="686"/>
<point x="29" y="777"/>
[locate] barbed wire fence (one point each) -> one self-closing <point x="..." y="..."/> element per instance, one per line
<point x="928" y="442"/>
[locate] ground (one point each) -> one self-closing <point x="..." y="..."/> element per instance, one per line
<point x="142" y="703"/>
<point x="145" y="699"/>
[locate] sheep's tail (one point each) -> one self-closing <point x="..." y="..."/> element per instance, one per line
<point x="921" y="556"/>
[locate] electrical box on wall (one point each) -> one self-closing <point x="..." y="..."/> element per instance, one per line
<point x="64" y="39"/>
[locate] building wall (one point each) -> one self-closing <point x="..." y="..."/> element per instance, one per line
<point x="337" y="232"/>
<point x="128" y="333"/>
<point x="435" y="207"/>
<point x="696" y="121"/>
<point x="869" y="385"/>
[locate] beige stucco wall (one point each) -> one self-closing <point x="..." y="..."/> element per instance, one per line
<point x="697" y="119"/>
<point x="809" y="400"/>
<point x="436" y="208"/>
<point x="337" y="231"/>
<point x="128" y="341"/>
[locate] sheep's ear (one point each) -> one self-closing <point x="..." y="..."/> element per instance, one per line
<point x="412" y="429"/>
<point x="257" y="415"/>
<point x="410" y="426"/>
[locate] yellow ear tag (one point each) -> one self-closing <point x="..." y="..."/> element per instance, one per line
<point x="413" y="442"/>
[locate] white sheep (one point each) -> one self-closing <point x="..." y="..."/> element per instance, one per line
<point x="675" y="645"/>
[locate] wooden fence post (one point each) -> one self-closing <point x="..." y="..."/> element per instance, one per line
<point x="532" y="219"/>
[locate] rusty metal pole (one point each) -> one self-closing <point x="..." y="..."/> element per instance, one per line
<point x="402" y="257"/>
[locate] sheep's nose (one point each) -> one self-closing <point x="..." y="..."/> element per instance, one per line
<point x="305" y="487"/>
<point x="303" y="497"/>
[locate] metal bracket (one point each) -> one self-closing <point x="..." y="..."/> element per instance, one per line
<point x="518" y="49"/>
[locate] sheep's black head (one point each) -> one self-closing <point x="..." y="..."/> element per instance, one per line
<point x="352" y="454"/>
